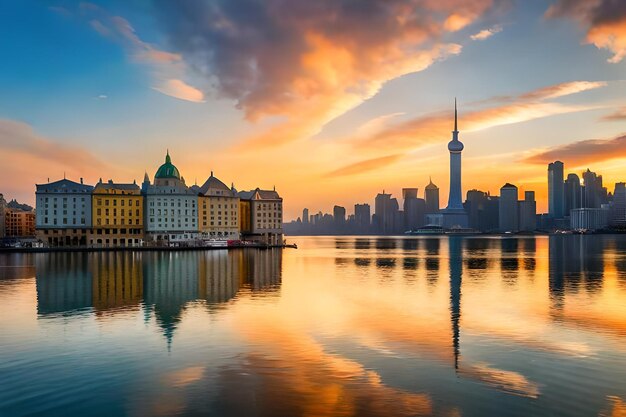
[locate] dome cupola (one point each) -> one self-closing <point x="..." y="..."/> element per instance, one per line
<point x="167" y="170"/>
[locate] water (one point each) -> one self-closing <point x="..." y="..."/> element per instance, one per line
<point x="342" y="326"/>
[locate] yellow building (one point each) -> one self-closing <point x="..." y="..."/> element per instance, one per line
<point x="245" y="223"/>
<point x="117" y="213"/>
<point x="218" y="210"/>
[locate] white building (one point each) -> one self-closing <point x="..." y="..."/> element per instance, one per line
<point x="171" y="212"/>
<point x="63" y="212"/>
<point x="589" y="218"/>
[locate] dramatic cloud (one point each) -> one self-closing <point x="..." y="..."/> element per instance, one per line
<point x="604" y="20"/>
<point x="616" y="116"/>
<point x="24" y="150"/>
<point x="582" y="152"/>
<point x="167" y="67"/>
<point x="486" y="33"/>
<point x="365" y="166"/>
<point x="435" y="127"/>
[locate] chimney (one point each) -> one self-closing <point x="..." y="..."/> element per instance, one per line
<point x="81" y="180"/>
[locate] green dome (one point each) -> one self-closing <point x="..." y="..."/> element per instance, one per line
<point x="167" y="170"/>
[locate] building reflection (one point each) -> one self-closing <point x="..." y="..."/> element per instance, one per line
<point x="509" y="261"/>
<point x="64" y="283"/>
<point x="15" y="266"/>
<point x="456" y="272"/>
<point x="164" y="283"/>
<point x="576" y="263"/>
<point x="117" y="281"/>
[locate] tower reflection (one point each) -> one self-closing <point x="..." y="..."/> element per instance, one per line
<point x="456" y="272"/>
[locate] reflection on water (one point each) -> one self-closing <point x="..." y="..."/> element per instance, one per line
<point x="451" y="326"/>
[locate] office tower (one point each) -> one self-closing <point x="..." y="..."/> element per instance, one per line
<point x="528" y="212"/>
<point x="573" y="193"/>
<point x="556" y="204"/>
<point x="305" y="216"/>
<point x="475" y="206"/>
<point x="431" y="194"/>
<point x="454" y="214"/>
<point x="339" y="217"/>
<point x="386" y="213"/>
<point x="508" y="208"/>
<point x="413" y="209"/>
<point x="362" y="217"/>
<point x="592" y="191"/>
<point x="618" y="206"/>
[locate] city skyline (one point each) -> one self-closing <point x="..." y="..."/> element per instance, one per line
<point x="342" y="108"/>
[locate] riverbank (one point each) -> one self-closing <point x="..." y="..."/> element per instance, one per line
<point x="143" y="248"/>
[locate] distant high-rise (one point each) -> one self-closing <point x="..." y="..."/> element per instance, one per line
<point x="386" y="213"/>
<point x="339" y="216"/>
<point x="573" y="193"/>
<point x="618" y="206"/>
<point x="305" y="216"/>
<point x="509" y="219"/>
<point x="431" y="195"/>
<point x="414" y="209"/>
<point x="528" y="212"/>
<point x="593" y="190"/>
<point x="475" y="203"/>
<point x="362" y="217"/>
<point x="556" y="203"/>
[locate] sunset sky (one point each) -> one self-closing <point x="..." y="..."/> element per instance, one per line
<point x="331" y="101"/>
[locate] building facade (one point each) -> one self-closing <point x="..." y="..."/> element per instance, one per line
<point x="589" y="218"/>
<point x="171" y="208"/>
<point x="265" y="221"/>
<point x="19" y="223"/>
<point x="509" y="213"/>
<point x="431" y="195"/>
<point x="118" y="215"/>
<point x="3" y="207"/>
<point x="528" y="213"/>
<point x="63" y="212"/>
<point x="556" y="201"/>
<point x="219" y="216"/>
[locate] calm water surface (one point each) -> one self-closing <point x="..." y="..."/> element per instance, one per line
<point x="340" y="327"/>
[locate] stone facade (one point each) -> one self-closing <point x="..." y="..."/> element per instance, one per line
<point x="117" y="213"/>
<point x="266" y="216"/>
<point x="218" y="213"/>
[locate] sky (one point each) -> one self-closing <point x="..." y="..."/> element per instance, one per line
<point x="329" y="101"/>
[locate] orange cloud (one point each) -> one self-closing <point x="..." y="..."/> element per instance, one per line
<point x="604" y="20"/>
<point x="582" y="152"/>
<point x="31" y="158"/>
<point x="365" y="166"/>
<point x="616" y="116"/>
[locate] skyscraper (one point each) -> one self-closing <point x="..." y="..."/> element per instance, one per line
<point x="455" y="215"/>
<point x="528" y="212"/>
<point x="573" y="193"/>
<point x="556" y="206"/>
<point x="362" y="217"/>
<point x="593" y="185"/>
<point x="509" y="219"/>
<point x="414" y="209"/>
<point x="305" y="216"/>
<point x="431" y="195"/>
<point x="339" y="216"/>
<point x="386" y="213"/>
<point x="618" y="207"/>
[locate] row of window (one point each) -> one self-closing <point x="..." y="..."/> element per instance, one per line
<point x="122" y="202"/>
<point x="122" y="212"/>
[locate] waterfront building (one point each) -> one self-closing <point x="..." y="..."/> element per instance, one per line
<point x="19" y="223"/>
<point x="454" y="215"/>
<point x="339" y="217"/>
<point x="528" y="213"/>
<point x="264" y="211"/>
<point x="385" y="213"/>
<point x="118" y="215"/>
<point x="305" y="216"/>
<point x="219" y="210"/>
<point x="3" y="207"/>
<point x="573" y="193"/>
<point x="587" y="218"/>
<point x="414" y="209"/>
<point x="362" y="217"/>
<point x="171" y="208"/>
<point x="431" y="195"/>
<point x="556" y="203"/>
<point x="618" y="206"/>
<point x="63" y="212"/>
<point x="509" y="212"/>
